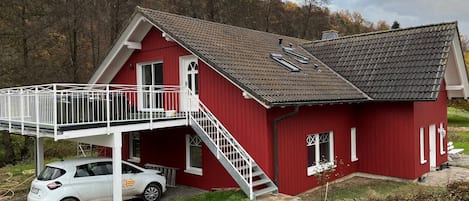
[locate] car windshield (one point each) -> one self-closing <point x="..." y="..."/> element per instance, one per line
<point x="50" y="173"/>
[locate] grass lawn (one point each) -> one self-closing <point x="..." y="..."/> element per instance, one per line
<point x="457" y="117"/>
<point x="231" y="195"/>
<point x="361" y="188"/>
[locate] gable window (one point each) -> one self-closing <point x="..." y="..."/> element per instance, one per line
<point x="422" y="146"/>
<point x="442" y="132"/>
<point x="193" y="154"/>
<point x="150" y="80"/>
<point x="134" y="147"/>
<point x="320" y="148"/>
<point x="353" y="144"/>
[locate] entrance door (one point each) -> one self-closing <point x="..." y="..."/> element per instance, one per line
<point x="189" y="79"/>
<point x="432" y="140"/>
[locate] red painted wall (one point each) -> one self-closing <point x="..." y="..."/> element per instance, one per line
<point x="244" y="118"/>
<point x="154" y="48"/>
<point x="167" y="147"/>
<point x="340" y="119"/>
<point x="385" y="144"/>
<point x="426" y="114"/>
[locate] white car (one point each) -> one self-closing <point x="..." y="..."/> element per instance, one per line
<point x="89" y="179"/>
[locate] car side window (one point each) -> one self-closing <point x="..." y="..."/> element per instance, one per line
<point x="94" y="169"/>
<point x="83" y="171"/>
<point x="99" y="168"/>
<point x="127" y="169"/>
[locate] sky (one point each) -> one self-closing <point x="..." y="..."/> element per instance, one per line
<point x="408" y="12"/>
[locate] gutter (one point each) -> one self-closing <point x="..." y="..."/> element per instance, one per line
<point x="275" y="140"/>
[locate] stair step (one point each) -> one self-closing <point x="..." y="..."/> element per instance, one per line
<point x="265" y="190"/>
<point x="255" y="174"/>
<point x="260" y="182"/>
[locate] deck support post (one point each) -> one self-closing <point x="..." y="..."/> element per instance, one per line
<point x="117" y="167"/>
<point x="39" y="155"/>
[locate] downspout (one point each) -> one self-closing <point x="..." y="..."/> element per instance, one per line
<point x="275" y="140"/>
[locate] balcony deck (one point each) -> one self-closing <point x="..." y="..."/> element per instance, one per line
<point x="64" y="110"/>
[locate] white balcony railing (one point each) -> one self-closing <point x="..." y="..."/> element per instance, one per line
<point x="56" y="106"/>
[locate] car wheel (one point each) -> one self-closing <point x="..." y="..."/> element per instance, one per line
<point x="69" y="199"/>
<point x="152" y="192"/>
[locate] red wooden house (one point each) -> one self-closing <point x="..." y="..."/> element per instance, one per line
<point x="234" y="107"/>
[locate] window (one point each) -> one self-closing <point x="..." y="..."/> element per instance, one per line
<point x="353" y="144"/>
<point x="193" y="77"/>
<point x="290" y="66"/>
<point x="134" y="147"/>
<point x="193" y="154"/>
<point x="150" y="78"/>
<point x="297" y="56"/>
<point x="320" y="152"/>
<point x="422" y="146"/>
<point x="50" y="173"/>
<point x="94" y="169"/>
<point x="442" y="132"/>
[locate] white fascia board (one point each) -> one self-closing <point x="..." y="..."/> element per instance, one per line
<point x="458" y="56"/>
<point x="101" y="74"/>
<point x="454" y="87"/>
<point x="133" y="45"/>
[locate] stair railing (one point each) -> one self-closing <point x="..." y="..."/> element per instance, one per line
<point x="203" y="113"/>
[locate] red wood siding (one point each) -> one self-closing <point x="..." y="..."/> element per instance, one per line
<point x="426" y="114"/>
<point x="167" y="147"/>
<point x="386" y="145"/>
<point x="154" y="48"/>
<point x="244" y="118"/>
<point x="293" y="177"/>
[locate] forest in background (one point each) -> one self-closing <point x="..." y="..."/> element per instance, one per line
<point x="47" y="41"/>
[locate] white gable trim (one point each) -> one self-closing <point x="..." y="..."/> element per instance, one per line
<point x="128" y="41"/>
<point x="457" y="84"/>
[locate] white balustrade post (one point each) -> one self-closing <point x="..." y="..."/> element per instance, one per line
<point x="54" y="106"/>
<point x="151" y="106"/>
<point x="36" y="105"/>
<point x="217" y="141"/>
<point x="9" y="111"/>
<point x="108" y="110"/>
<point x="22" y="110"/>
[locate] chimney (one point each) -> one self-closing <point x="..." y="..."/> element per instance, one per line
<point x="331" y="34"/>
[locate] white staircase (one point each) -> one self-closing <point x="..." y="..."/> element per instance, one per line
<point x="239" y="164"/>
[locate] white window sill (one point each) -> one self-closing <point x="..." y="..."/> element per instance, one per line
<point x="354" y="159"/>
<point x="423" y="162"/>
<point x="134" y="160"/>
<point x="192" y="170"/>
<point x="312" y="170"/>
<point x="443" y="153"/>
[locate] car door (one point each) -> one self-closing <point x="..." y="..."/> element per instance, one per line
<point x="130" y="182"/>
<point x="92" y="181"/>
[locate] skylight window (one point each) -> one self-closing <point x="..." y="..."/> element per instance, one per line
<point x="297" y="56"/>
<point x="279" y="59"/>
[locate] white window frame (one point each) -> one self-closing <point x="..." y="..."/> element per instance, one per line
<point x="140" y="96"/>
<point x="132" y="157"/>
<point x="313" y="140"/>
<point x="353" y="144"/>
<point x="422" y="146"/>
<point x="192" y="140"/>
<point x="442" y="134"/>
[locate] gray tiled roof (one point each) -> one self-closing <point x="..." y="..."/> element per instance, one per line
<point x="243" y="56"/>
<point x="402" y="64"/>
